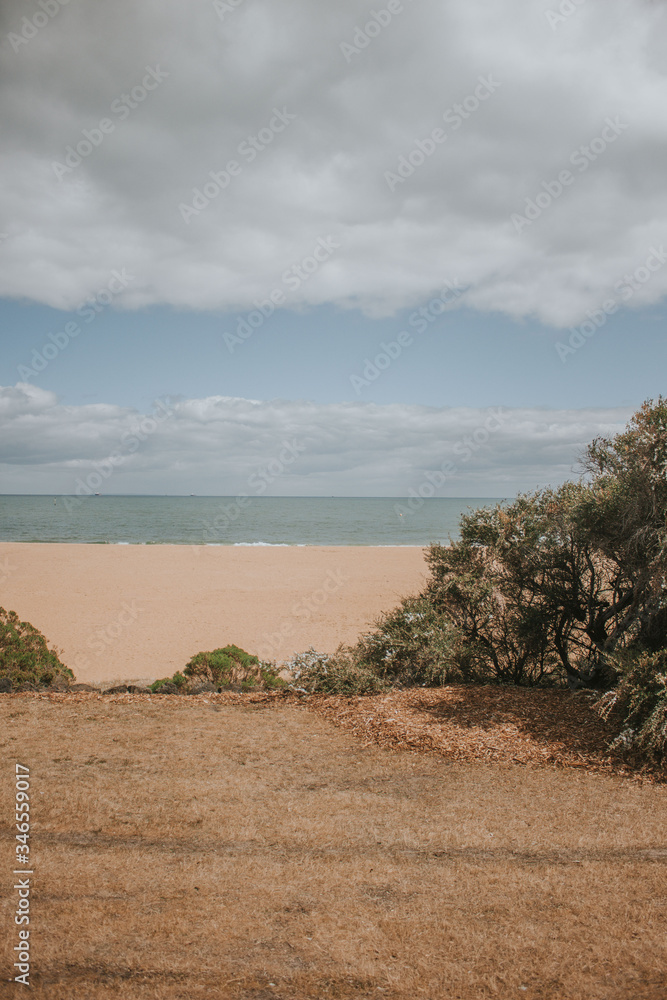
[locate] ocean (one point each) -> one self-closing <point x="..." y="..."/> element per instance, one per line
<point x="159" y="520"/>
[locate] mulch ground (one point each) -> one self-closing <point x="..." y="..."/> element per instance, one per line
<point x="488" y="724"/>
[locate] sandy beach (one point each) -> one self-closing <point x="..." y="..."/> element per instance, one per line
<point x="138" y="612"/>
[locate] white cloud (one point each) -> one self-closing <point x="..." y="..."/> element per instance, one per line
<point x="218" y="444"/>
<point x="325" y="173"/>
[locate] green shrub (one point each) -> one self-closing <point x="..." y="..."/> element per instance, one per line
<point x="25" y="658"/>
<point x="639" y="704"/>
<point x="222" y="667"/>
<point x="227" y="668"/>
<point x="338" y="673"/>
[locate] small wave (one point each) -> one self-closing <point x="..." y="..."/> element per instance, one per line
<point x="273" y="545"/>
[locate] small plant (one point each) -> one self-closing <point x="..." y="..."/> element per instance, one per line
<point x="170" y="685"/>
<point x="162" y="686"/>
<point x="25" y="658"/>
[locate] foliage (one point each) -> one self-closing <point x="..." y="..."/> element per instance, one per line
<point x="223" y="666"/>
<point x="639" y="704"/>
<point x="530" y="592"/>
<point x="170" y="685"/>
<point x="228" y="668"/>
<point x="554" y="584"/>
<point x="338" y="673"/>
<point x="25" y="658"/>
<point x="414" y="644"/>
<point x="629" y="525"/>
<point x="409" y="645"/>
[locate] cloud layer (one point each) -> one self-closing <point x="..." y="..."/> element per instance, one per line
<point x="226" y="446"/>
<point x="158" y="97"/>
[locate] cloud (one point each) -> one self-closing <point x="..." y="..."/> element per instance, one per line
<point x="225" y="446"/>
<point x="367" y="94"/>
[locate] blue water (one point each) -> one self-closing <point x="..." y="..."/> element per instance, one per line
<point x="221" y="521"/>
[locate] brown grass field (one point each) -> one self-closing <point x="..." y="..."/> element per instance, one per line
<point x="238" y="847"/>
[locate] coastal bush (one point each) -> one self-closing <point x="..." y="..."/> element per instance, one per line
<point x="526" y="590"/>
<point x="415" y="645"/>
<point x="551" y="586"/>
<point x="223" y="666"/>
<point x="336" y="673"/>
<point x="25" y="658"/>
<point x="639" y="704"/>
<point x="227" y="668"/>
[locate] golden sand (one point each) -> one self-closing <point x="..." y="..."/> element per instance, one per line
<point x="138" y="612"/>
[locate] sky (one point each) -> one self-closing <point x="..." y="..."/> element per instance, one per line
<point x="406" y="242"/>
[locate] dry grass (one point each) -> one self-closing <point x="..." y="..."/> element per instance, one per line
<point x="215" y="846"/>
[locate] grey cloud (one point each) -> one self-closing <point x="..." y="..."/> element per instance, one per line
<point x="325" y="172"/>
<point x="214" y="445"/>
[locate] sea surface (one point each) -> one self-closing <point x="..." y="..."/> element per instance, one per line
<point x="156" y="520"/>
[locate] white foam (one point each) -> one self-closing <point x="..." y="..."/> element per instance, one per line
<point x="271" y="545"/>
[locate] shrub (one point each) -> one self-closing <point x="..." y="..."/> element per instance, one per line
<point x="526" y="590"/>
<point x="227" y="668"/>
<point x="25" y="659"/>
<point x="337" y="673"/>
<point x="639" y="704"/>
<point x="170" y="685"/>
<point x="224" y="666"/>
<point x="413" y="644"/>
